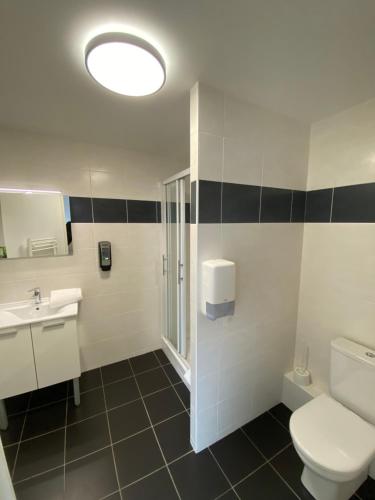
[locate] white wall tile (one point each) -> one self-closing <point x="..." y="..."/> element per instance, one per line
<point x="337" y="294"/>
<point x="210" y="156"/>
<point x="242" y="359"/>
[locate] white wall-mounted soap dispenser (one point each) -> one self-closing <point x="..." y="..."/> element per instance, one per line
<point x="218" y="288"/>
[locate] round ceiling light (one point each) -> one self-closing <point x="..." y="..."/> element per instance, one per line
<point x="125" y="64"/>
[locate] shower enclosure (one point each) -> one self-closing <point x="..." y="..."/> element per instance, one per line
<point x="176" y="256"/>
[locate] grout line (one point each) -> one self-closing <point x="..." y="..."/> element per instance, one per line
<point x="157" y="440"/>
<point x="110" y="436"/>
<point x="222" y="471"/>
<point x="333" y="194"/>
<point x="169" y="418"/>
<point x="31" y="409"/>
<point x="19" y="443"/>
<point x="65" y="433"/>
<point x="88" y="454"/>
<point x="278" y="421"/>
<point x="132" y="376"/>
<point x="182" y="456"/>
<point x="268" y="462"/>
<point x="38" y="474"/>
<point x="110" y="494"/>
<point x="291" y="206"/>
<point x="260" y="202"/>
<point x="173" y="386"/>
<point x="144" y="477"/>
<point x="225" y="492"/>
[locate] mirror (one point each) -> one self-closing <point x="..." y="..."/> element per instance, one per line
<point x="34" y="224"/>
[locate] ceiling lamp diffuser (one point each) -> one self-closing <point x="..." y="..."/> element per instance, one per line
<point x="125" y="64"/>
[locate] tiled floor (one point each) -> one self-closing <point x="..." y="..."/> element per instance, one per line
<point x="129" y="440"/>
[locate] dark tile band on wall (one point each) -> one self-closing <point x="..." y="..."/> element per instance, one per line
<point x="240" y="203"/>
<point x="223" y="202"/>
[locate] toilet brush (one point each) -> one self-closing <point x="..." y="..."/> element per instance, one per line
<point x="301" y="375"/>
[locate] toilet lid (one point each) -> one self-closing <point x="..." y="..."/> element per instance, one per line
<point x="332" y="438"/>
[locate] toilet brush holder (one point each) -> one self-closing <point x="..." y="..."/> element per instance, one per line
<point x="302" y="376"/>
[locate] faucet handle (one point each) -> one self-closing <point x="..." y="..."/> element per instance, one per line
<point x="35" y="290"/>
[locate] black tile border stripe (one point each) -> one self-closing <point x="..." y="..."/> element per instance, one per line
<point x="224" y="202"/>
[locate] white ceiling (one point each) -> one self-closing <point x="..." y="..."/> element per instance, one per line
<point x="305" y="58"/>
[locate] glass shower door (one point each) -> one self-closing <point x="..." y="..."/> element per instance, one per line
<point x="174" y="268"/>
<point x="170" y="263"/>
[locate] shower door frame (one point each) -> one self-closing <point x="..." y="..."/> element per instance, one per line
<point x="180" y="350"/>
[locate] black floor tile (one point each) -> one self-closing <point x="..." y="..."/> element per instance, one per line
<point x="115" y="496"/>
<point x="121" y="392"/>
<point x="116" y="371"/>
<point x="173" y="376"/>
<point x="184" y="394"/>
<point x="155" y="487"/>
<point x="39" y="455"/>
<point x="48" y="395"/>
<point x="10" y="455"/>
<point x="163" y="404"/>
<point x="137" y="456"/>
<point x="367" y="490"/>
<point x="48" y="486"/>
<point x="290" y="467"/>
<point x="86" y="437"/>
<point x="91" y="477"/>
<point x="198" y="476"/>
<point x="264" y="484"/>
<point x="152" y="381"/>
<point x="17" y="404"/>
<point x="45" y="419"/>
<point x="144" y="362"/>
<point x="90" y="380"/>
<point x="128" y="420"/>
<point x="160" y="354"/>
<point x="267" y="434"/>
<point x="13" y="433"/>
<point x="236" y="456"/>
<point x="174" y="436"/>
<point x="282" y="413"/>
<point x="92" y="402"/>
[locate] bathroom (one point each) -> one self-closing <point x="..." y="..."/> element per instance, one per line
<point x="187" y="253"/>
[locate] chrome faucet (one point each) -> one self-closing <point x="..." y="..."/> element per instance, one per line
<point x="37" y="295"/>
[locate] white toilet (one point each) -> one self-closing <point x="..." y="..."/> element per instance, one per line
<point x="335" y="435"/>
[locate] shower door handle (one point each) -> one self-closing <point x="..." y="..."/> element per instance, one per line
<point x="180" y="272"/>
<point x="165" y="269"/>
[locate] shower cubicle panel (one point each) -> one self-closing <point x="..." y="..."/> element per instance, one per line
<point x="176" y="192"/>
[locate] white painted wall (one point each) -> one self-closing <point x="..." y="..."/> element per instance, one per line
<point x="238" y="363"/>
<point x="337" y="294"/>
<point x="120" y="314"/>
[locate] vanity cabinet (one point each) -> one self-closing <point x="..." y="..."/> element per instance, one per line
<point x="17" y="364"/>
<point x="37" y="355"/>
<point x="56" y="351"/>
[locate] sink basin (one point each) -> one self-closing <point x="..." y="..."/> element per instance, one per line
<point x="26" y="312"/>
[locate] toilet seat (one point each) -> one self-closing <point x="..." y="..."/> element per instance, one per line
<point x="332" y="440"/>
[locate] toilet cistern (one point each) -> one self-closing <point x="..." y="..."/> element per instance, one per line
<point x="37" y="295"/>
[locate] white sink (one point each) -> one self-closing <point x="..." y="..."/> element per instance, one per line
<point x="26" y="312"/>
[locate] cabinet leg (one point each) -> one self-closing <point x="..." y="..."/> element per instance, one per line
<point x="77" y="394"/>
<point x="3" y="416"/>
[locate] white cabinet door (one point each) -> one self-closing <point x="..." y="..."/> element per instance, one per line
<point x="56" y="351"/>
<point x="17" y="368"/>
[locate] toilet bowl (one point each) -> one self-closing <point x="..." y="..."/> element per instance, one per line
<point x="334" y="441"/>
